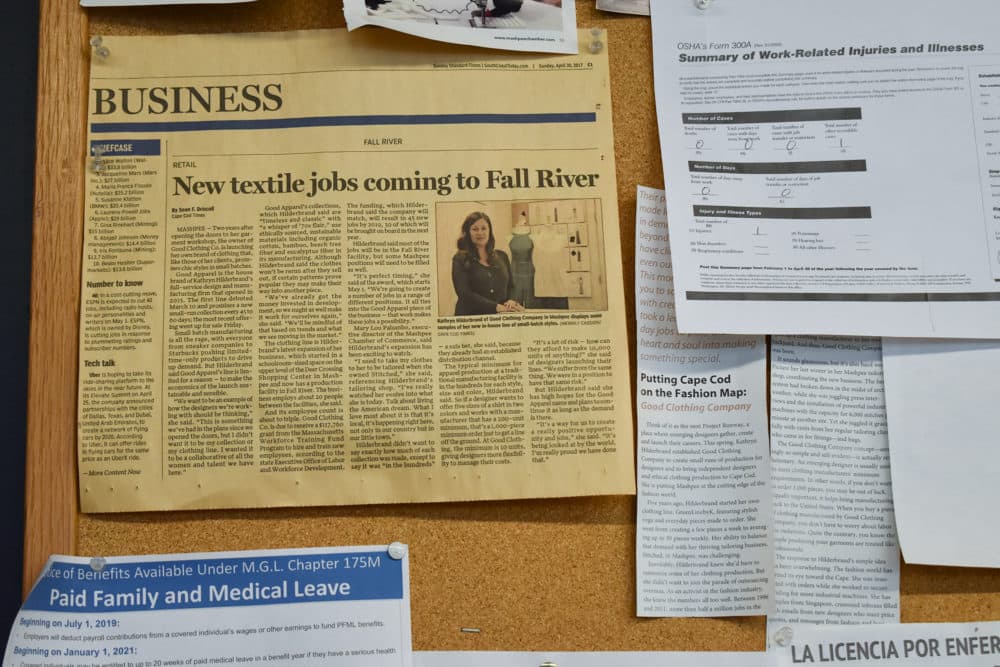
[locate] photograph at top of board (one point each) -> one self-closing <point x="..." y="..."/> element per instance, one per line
<point x="515" y="25"/>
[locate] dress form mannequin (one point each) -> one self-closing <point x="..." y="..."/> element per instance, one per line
<point x="522" y="266"/>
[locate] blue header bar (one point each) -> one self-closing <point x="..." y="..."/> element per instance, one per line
<point x="112" y="147"/>
<point x="218" y="582"/>
<point x="346" y="121"/>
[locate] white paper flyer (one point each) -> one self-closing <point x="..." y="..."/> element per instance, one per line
<point x="832" y="166"/>
<point x="941" y="401"/>
<point x="640" y="7"/>
<point x="953" y="644"/>
<point x="329" y="606"/>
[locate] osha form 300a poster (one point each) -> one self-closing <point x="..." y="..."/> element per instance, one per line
<point x="832" y="168"/>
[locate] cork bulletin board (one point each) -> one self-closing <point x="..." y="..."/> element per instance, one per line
<point x="552" y="575"/>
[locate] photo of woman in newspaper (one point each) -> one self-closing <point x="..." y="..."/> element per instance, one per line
<point x="481" y="274"/>
<point x="526" y="14"/>
<point x="517" y="256"/>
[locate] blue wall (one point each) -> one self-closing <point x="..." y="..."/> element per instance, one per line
<point x="18" y="69"/>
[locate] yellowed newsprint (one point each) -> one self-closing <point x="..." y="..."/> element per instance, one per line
<point x="323" y="268"/>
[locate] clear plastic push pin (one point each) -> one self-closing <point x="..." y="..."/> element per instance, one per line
<point x="102" y="52"/>
<point x="97" y="160"/>
<point x="397" y="550"/>
<point x="702" y="4"/>
<point x="595" y="40"/>
<point x="783" y="637"/>
<point x="97" y="563"/>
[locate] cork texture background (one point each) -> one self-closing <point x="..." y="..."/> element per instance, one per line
<point x="554" y="575"/>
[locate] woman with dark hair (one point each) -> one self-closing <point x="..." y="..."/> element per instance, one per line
<point x="480" y="273"/>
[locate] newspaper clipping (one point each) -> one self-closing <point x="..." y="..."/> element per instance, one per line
<point x="703" y="543"/>
<point x="323" y="269"/>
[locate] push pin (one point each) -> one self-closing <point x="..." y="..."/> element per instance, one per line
<point x="397" y="550"/>
<point x="595" y="40"/>
<point x="548" y="663"/>
<point x="783" y="636"/>
<point x="97" y="563"/>
<point x="102" y="52"/>
<point x="702" y="4"/>
<point x="97" y="159"/>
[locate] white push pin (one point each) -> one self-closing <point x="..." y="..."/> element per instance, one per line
<point x="97" y="159"/>
<point x="397" y="550"/>
<point x="783" y="637"/>
<point x="702" y="4"/>
<point x="102" y="52"/>
<point x="97" y="563"/>
<point x="595" y="40"/>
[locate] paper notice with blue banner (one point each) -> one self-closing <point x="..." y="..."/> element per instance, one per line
<point x="302" y="606"/>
